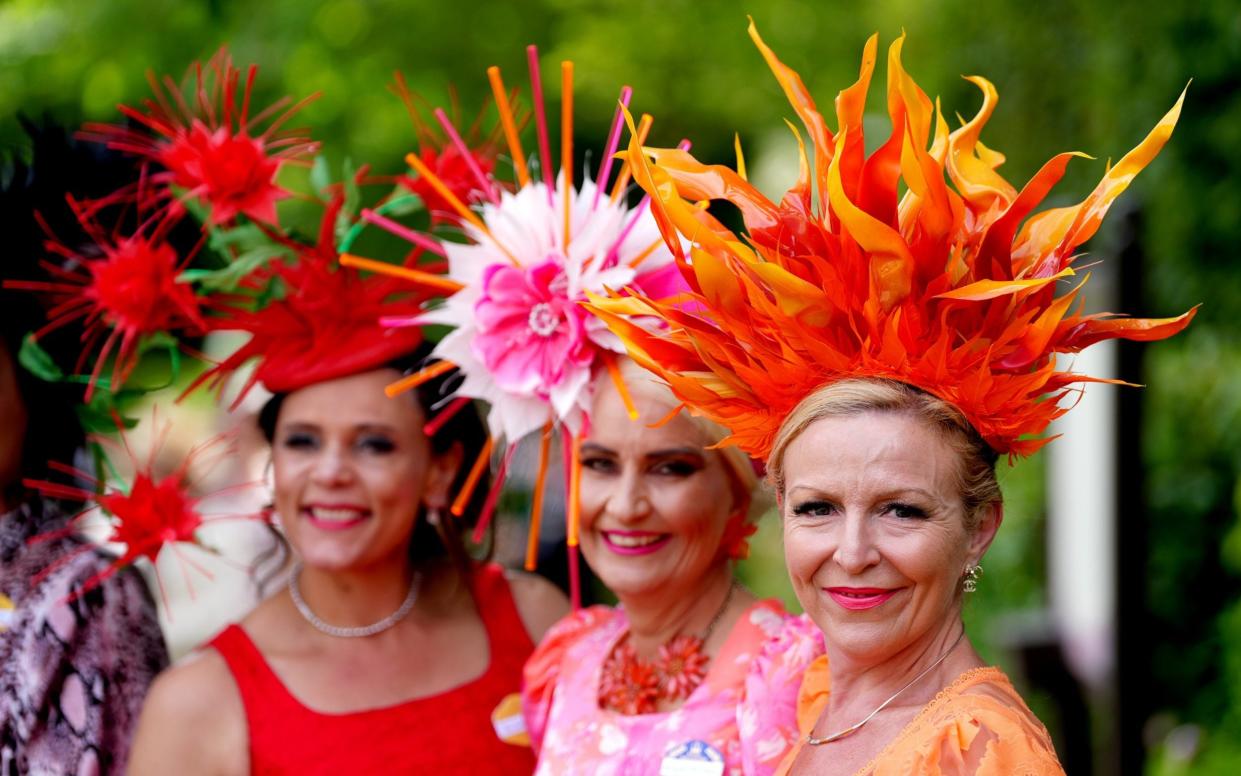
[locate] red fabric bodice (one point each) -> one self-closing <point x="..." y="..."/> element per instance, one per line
<point x="447" y="733"/>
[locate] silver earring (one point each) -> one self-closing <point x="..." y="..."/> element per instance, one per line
<point x="433" y="516"/>
<point x="973" y="573"/>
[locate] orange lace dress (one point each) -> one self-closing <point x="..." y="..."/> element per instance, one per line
<point x="977" y="726"/>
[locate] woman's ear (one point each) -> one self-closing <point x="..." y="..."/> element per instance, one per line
<point x="440" y="475"/>
<point x="984" y="533"/>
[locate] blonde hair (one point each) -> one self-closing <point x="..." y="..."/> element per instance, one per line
<point x="975" y="470"/>
<point x="739" y="466"/>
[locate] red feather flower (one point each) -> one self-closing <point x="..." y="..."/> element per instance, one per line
<point x="460" y="170"/>
<point x="627" y="684"/>
<point x="682" y="666"/>
<point x="209" y="144"/>
<point x="123" y="288"/>
<point x="152" y="513"/>
<point x="326" y="323"/>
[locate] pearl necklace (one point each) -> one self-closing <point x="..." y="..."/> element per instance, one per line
<point x="810" y="739"/>
<point x="351" y="633"/>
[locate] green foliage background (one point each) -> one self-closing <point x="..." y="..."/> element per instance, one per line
<point x="1071" y="75"/>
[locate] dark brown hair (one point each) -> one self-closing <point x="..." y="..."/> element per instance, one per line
<point x="429" y="542"/>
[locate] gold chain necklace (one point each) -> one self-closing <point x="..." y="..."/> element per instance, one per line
<point x="810" y="739"/>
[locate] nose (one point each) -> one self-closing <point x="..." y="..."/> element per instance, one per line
<point x="856" y="550"/>
<point x="627" y="500"/>
<point x="332" y="467"/>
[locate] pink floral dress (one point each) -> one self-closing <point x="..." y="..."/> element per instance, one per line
<point x="742" y="719"/>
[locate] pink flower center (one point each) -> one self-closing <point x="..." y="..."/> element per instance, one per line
<point x="543" y="320"/>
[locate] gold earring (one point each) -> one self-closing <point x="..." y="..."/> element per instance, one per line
<point x="973" y="573"/>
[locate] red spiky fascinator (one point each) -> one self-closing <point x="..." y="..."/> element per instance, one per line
<point x="950" y="288"/>
<point x="323" y="321"/>
<point x="209" y="144"/>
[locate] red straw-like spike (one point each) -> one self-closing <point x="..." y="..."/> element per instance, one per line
<point x="605" y="168"/>
<point x="471" y="163"/>
<point x="540" y="119"/>
<point x="566" y="143"/>
<point x="404" y="232"/>
<point x="575" y="579"/>
<point x="493" y="496"/>
<point x="435" y="424"/>
<point x="622" y="178"/>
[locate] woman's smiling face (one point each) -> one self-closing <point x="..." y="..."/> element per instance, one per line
<point x="875" y="534"/>
<point x="655" y="501"/>
<point x="352" y="468"/>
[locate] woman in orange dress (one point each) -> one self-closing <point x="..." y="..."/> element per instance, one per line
<point x="879" y="337"/>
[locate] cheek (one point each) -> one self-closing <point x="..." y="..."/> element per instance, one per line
<point x="930" y="561"/>
<point x="592" y="497"/>
<point x="804" y="551"/>
<point x="692" y="509"/>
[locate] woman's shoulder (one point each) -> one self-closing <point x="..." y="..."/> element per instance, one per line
<point x="981" y="716"/>
<point x="193" y="714"/>
<point x="543" y="669"/>
<point x="540" y="604"/>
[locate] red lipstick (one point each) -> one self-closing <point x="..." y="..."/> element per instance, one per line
<point x="859" y="598"/>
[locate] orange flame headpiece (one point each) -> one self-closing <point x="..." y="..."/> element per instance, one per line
<point x="949" y="288"/>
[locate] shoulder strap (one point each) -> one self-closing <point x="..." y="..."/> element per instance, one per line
<point x="261" y="690"/>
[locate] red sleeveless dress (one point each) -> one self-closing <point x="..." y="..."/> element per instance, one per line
<point x="451" y="732"/>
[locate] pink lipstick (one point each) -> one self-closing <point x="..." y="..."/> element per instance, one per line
<point x="859" y="598"/>
<point x="334" y="517"/>
<point x="634" y="542"/>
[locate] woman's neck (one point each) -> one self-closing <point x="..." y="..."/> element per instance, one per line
<point x="656" y="619"/>
<point x="860" y="683"/>
<point x="356" y="597"/>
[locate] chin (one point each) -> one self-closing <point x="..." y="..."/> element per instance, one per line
<point x="628" y="577"/>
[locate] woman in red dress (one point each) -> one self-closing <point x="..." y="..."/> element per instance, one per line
<point x="388" y="650"/>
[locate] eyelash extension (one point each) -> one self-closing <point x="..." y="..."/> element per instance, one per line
<point x="677" y="468"/>
<point x="808" y="507"/>
<point x="297" y="441"/>
<point x="915" y="513"/>
<point x="377" y="444"/>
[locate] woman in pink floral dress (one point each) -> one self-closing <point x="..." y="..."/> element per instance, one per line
<point x="691" y="673"/>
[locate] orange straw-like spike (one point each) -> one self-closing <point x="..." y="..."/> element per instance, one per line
<point x="566" y="141"/>
<point x="424" y="375"/>
<point x="575" y="492"/>
<point x="622" y="178"/>
<point x="469" y="215"/>
<point x="471" y="482"/>
<point x="536" y="500"/>
<point x="510" y="126"/>
<point x="421" y="168"/>
<point x="609" y="360"/>
<point x="419" y="277"/>
<point x="641" y="257"/>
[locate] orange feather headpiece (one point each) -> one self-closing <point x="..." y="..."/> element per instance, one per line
<point x="949" y="288"/>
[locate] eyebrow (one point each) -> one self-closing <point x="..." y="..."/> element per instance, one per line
<point x="891" y="494"/>
<point x="361" y="428"/>
<point x="667" y="452"/>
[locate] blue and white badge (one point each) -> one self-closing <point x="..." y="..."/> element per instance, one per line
<point x="693" y="758"/>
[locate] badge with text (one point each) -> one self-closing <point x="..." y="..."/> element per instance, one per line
<point x="510" y="726"/>
<point x="693" y="758"/>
